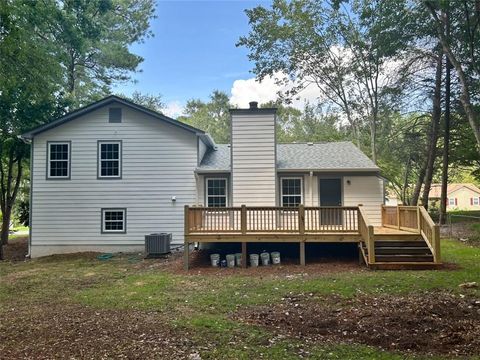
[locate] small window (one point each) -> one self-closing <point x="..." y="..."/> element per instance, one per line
<point x="115" y="115"/>
<point x="217" y="192"/>
<point x="292" y="192"/>
<point x="114" y="220"/>
<point x="451" y="201"/>
<point x="476" y="201"/>
<point x="58" y="165"/>
<point x="110" y="159"/>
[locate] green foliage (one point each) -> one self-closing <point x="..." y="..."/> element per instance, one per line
<point x="212" y="116"/>
<point x="152" y="102"/>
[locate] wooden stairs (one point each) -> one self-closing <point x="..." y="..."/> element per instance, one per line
<point x="400" y="254"/>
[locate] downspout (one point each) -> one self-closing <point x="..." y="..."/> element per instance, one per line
<point x="197" y="182"/>
<point x="311" y="188"/>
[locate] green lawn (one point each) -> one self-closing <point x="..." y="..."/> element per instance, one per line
<point x="202" y="304"/>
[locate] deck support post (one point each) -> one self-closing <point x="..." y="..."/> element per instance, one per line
<point x="302" y="253"/>
<point x="244" y="255"/>
<point x="361" y="260"/>
<point x="186" y="245"/>
<point x="436" y="244"/>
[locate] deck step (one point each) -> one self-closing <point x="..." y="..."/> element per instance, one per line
<point x="407" y="250"/>
<point x="403" y="253"/>
<point x="405" y="266"/>
<point x="403" y="258"/>
<point x="411" y="243"/>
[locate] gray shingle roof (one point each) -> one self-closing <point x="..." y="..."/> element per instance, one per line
<point x="334" y="156"/>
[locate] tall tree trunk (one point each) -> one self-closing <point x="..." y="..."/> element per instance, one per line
<point x="9" y="185"/>
<point x="405" y="200"/>
<point x="433" y="136"/>
<point x="418" y="185"/>
<point x="464" y="86"/>
<point x="446" y="136"/>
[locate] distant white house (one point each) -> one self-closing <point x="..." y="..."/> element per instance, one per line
<point x="460" y="196"/>
<point x="107" y="174"/>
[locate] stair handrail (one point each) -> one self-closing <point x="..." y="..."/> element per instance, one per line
<point x="365" y="228"/>
<point x="430" y="233"/>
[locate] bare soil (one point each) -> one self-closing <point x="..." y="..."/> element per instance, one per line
<point x="200" y="265"/>
<point x="424" y="323"/>
<point x="17" y="249"/>
<point x="70" y="331"/>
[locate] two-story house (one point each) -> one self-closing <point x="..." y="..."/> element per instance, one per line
<point x="107" y="174"/>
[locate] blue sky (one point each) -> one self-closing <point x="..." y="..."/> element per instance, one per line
<point x="193" y="51"/>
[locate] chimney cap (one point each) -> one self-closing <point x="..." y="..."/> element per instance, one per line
<point x="253" y="105"/>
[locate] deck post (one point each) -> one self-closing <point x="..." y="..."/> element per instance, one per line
<point x="398" y="217"/>
<point x="244" y="255"/>
<point x="371" y="245"/>
<point x="302" y="253"/>
<point x="301" y="219"/>
<point x="436" y="244"/>
<point x="243" y="220"/>
<point x="186" y="245"/>
<point x="418" y="219"/>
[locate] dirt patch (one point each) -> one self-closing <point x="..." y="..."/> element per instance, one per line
<point x="463" y="232"/>
<point x="426" y="323"/>
<point x="200" y="265"/>
<point x="74" y="331"/>
<point x="17" y="249"/>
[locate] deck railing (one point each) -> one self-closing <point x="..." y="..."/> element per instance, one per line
<point x="430" y="233"/>
<point x="294" y="220"/>
<point x="367" y="232"/>
<point x="414" y="219"/>
<point x="400" y="217"/>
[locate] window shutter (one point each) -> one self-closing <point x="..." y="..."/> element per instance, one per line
<point x="471" y="201"/>
<point x="456" y="203"/>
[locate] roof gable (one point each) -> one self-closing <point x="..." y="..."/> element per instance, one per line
<point x="435" y="191"/>
<point x="105" y="102"/>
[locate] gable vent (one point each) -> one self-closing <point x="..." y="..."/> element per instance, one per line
<point x="115" y="115"/>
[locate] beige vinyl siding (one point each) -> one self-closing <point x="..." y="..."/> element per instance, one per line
<point x="253" y="160"/>
<point x="365" y="190"/>
<point x="463" y="196"/>
<point x="158" y="162"/>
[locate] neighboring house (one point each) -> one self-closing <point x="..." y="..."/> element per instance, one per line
<point x="459" y="196"/>
<point x="107" y="174"/>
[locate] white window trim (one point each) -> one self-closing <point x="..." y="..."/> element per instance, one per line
<point x="478" y="201"/>
<point x="99" y="159"/>
<point x="291" y="178"/>
<point x="124" y="222"/>
<point x="206" y="190"/>
<point x="49" y="160"/>
<point x="451" y="201"/>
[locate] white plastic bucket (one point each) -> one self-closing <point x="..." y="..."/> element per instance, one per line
<point x="215" y="259"/>
<point x="254" y="260"/>
<point x="275" y="258"/>
<point x="238" y="259"/>
<point x="230" y="260"/>
<point x="265" y="256"/>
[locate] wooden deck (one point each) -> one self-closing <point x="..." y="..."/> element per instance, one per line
<point x="316" y="225"/>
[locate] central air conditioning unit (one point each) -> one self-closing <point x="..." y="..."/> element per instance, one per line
<point x="157" y="245"/>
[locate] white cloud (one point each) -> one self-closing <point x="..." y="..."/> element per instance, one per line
<point x="173" y="109"/>
<point x="244" y="91"/>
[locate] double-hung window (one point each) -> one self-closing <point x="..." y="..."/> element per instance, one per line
<point x="109" y="159"/>
<point x="476" y="201"/>
<point x="58" y="164"/>
<point x="216" y="193"/>
<point x="452" y="201"/>
<point x="114" y="220"/>
<point x="291" y="192"/>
